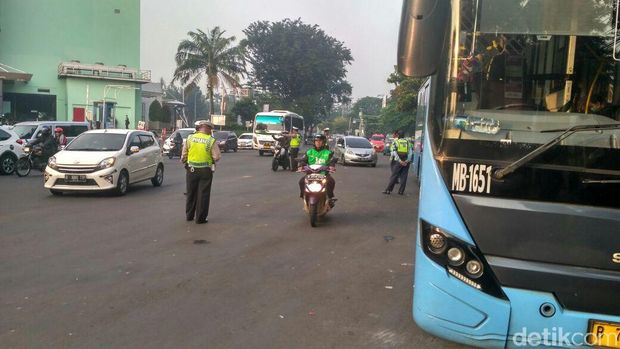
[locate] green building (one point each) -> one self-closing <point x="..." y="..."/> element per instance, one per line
<point x="67" y="59"/>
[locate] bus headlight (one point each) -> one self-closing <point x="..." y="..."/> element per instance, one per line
<point x="461" y="260"/>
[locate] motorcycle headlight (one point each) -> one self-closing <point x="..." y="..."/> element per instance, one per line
<point x="222" y="142"/>
<point x="27" y="149"/>
<point x="106" y="163"/>
<point x="52" y="162"/>
<point x="315" y="187"/>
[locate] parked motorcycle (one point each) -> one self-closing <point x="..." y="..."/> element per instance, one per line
<point x="33" y="158"/>
<point x="316" y="202"/>
<point x="280" y="158"/>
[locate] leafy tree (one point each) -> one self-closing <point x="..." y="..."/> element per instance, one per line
<point x="300" y="65"/>
<point x="246" y="108"/>
<point x="368" y="105"/>
<point x="402" y="105"/>
<point x="209" y="55"/>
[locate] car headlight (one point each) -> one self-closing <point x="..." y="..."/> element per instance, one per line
<point x="52" y="162"/>
<point x="349" y="151"/>
<point x="315" y="187"/>
<point x="106" y="163"/>
<point x="222" y="142"/>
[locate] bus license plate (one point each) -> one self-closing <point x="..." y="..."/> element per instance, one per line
<point x="75" y="178"/>
<point x="604" y="334"/>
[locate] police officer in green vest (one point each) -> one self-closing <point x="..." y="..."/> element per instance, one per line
<point x="401" y="156"/>
<point x="199" y="156"/>
<point x="320" y="155"/>
<point x="295" y="145"/>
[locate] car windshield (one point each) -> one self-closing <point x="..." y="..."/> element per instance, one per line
<point x="97" y="142"/>
<point x="245" y="137"/>
<point x="220" y="135"/>
<point x="377" y="138"/>
<point x="25" y="131"/>
<point x="186" y="133"/>
<point x="358" y="143"/>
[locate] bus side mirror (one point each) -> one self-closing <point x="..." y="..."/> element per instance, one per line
<point x="423" y="28"/>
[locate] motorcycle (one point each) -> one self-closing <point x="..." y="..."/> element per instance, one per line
<point x="316" y="202"/>
<point x="280" y="158"/>
<point x="33" y="158"/>
<point x="175" y="150"/>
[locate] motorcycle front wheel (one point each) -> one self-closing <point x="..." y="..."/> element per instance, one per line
<point x="314" y="215"/>
<point x="23" y="167"/>
<point x="275" y="164"/>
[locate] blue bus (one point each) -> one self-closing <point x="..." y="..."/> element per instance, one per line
<point x="518" y="239"/>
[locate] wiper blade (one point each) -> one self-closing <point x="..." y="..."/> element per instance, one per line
<point x="501" y="173"/>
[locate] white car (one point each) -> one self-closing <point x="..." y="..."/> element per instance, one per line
<point x="105" y="160"/>
<point x="10" y="150"/>
<point x="245" y="141"/>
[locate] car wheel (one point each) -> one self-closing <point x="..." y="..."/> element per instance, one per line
<point x="159" y="176"/>
<point x="7" y="164"/>
<point x="235" y="150"/>
<point x="55" y="192"/>
<point x="261" y="153"/>
<point x="122" y="183"/>
<point x="374" y="164"/>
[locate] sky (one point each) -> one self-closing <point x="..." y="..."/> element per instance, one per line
<point x="368" y="27"/>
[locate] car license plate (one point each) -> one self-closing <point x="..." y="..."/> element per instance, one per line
<point x="604" y="334"/>
<point x="267" y="145"/>
<point x="75" y="178"/>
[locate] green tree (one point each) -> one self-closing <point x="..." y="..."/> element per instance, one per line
<point x="212" y="56"/>
<point x="402" y="105"/>
<point x="246" y="108"/>
<point x="300" y="65"/>
<point x="367" y="105"/>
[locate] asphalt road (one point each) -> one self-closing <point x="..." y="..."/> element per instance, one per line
<point x="97" y="271"/>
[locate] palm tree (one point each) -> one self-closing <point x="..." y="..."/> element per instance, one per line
<point x="209" y="55"/>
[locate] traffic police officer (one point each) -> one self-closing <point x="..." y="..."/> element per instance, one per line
<point x="295" y="145"/>
<point x="199" y="156"/>
<point x="401" y="157"/>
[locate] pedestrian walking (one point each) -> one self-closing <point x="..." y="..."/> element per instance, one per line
<point x="200" y="154"/>
<point x="401" y="156"/>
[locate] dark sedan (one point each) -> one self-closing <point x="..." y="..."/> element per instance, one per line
<point x="226" y="140"/>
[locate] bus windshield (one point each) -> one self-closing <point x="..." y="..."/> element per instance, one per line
<point x="268" y="124"/>
<point x="521" y="79"/>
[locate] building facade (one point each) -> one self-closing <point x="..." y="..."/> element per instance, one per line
<point x="71" y="60"/>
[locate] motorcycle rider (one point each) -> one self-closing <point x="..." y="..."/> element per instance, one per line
<point x="61" y="139"/>
<point x="48" y="144"/>
<point x="319" y="155"/>
<point x="178" y="143"/>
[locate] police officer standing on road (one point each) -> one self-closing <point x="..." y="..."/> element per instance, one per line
<point x="199" y="156"/>
<point x="295" y="145"/>
<point x="401" y="156"/>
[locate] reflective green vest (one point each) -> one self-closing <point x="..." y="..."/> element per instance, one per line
<point x="401" y="146"/>
<point x="199" y="147"/>
<point x="296" y="141"/>
<point x="318" y="157"/>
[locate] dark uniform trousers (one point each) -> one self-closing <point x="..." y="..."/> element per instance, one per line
<point x="400" y="174"/>
<point x="198" y="193"/>
<point x="294" y="154"/>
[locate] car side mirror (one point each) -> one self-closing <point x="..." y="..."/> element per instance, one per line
<point x="62" y="147"/>
<point x="422" y="36"/>
<point x="340" y="145"/>
<point x="134" y="149"/>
